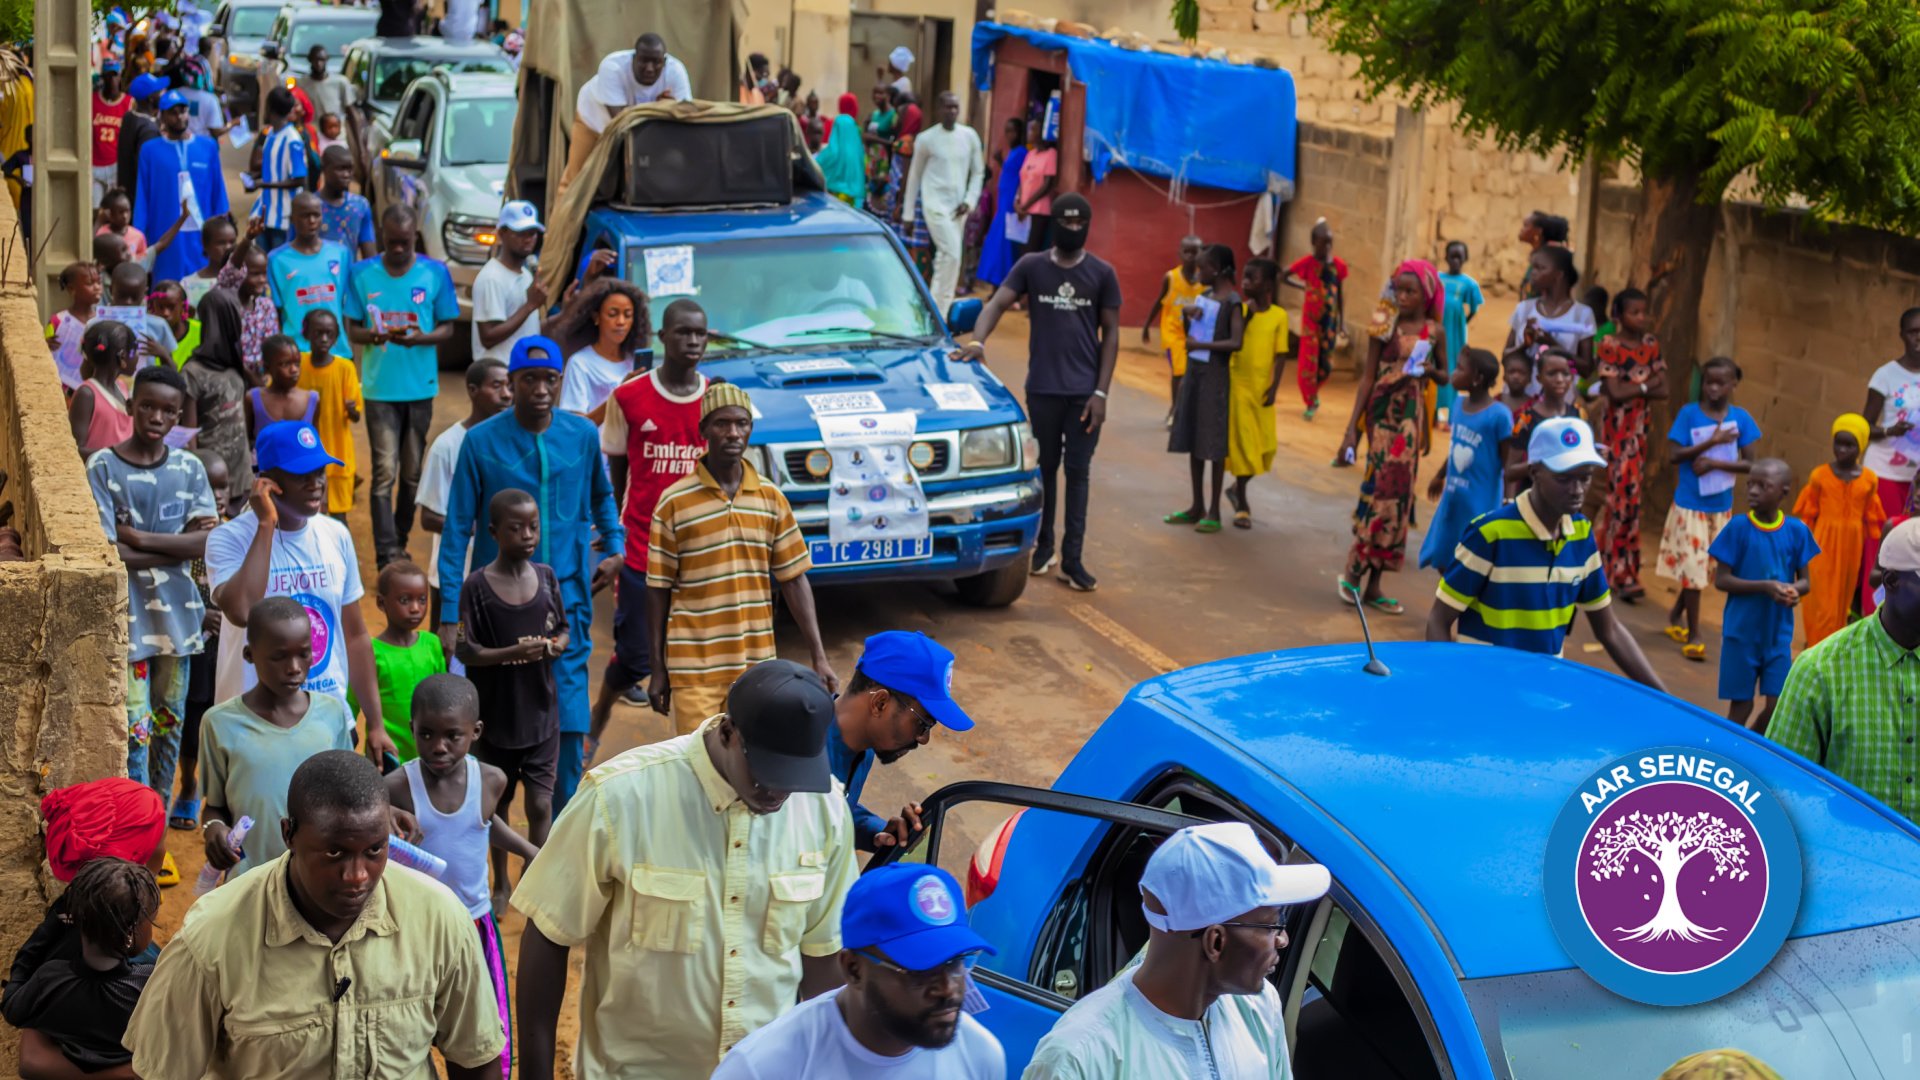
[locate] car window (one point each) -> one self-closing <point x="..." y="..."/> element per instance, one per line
<point x="251" y="21"/>
<point x="1354" y="1019"/>
<point x="413" y="116"/>
<point x="331" y="32"/>
<point x="478" y="131"/>
<point x="393" y="74"/>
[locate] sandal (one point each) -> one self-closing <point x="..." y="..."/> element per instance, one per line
<point x="1346" y="591"/>
<point x="169" y="874"/>
<point x="1180" y="517"/>
<point x="1679" y="634"/>
<point x="1208" y="525"/>
<point x="185" y="816"/>
<point x="1387" y="604"/>
<point x="1311" y="409"/>
<point x="1242" y="519"/>
<point x="1697" y="652"/>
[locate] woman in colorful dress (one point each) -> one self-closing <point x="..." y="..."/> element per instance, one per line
<point x="882" y="126"/>
<point x="1322" y="275"/>
<point x="1841" y="503"/>
<point x="1391" y="407"/>
<point x="1633" y="373"/>
<point x="996" y="251"/>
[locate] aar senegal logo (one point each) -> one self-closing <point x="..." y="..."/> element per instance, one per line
<point x="1672" y="877"/>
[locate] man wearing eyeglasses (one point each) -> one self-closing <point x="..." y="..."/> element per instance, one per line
<point x="901" y="690"/>
<point x="1199" y="1003"/>
<point x="908" y="951"/>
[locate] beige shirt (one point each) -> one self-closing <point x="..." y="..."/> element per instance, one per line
<point x="246" y="988"/>
<point x="694" y="910"/>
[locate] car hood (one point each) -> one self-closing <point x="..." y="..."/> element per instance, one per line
<point x="792" y="387"/>
<point x="473" y="190"/>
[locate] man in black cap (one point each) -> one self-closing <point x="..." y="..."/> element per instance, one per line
<point x="704" y="875"/>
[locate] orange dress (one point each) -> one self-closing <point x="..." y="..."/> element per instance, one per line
<point x="1843" y="514"/>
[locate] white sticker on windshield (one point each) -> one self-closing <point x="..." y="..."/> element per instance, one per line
<point x="855" y="401"/>
<point x="798" y="367"/>
<point x="670" y="271"/>
<point x="956" y="397"/>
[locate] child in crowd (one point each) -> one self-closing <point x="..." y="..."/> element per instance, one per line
<point x="1464" y="301"/>
<point x="345" y="218"/>
<point x="1632" y="373"/>
<point x="512" y="627"/>
<point x="116" y="213"/>
<point x="1215" y="330"/>
<point x="602" y="329"/>
<point x="109" y="251"/>
<point x="97" y="411"/>
<point x="112" y="818"/>
<point x="185" y="815"/>
<point x="1254" y="382"/>
<point x="1710" y="442"/>
<point x="329" y="134"/>
<point x="1178" y="290"/>
<point x="282" y="397"/>
<point x="246" y="274"/>
<point x="336" y="381"/>
<point x="403" y="657"/>
<point x="1841" y="504"/>
<point x="168" y="303"/>
<point x="1323" y="313"/>
<point x="453" y="796"/>
<point x="79" y="1007"/>
<point x="1470" y="482"/>
<point x="128" y="288"/>
<point x="217" y="238"/>
<point x="1555" y="371"/>
<point x="1762" y="559"/>
<point x="217" y="384"/>
<point x="251" y="745"/>
<point x="81" y="282"/>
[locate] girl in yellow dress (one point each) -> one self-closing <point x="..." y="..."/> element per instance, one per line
<point x="1254" y="379"/>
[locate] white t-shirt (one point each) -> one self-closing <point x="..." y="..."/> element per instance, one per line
<point x="814" y="1032"/>
<point x="436" y="476"/>
<point x="1116" y="1031"/>
<point x="1895" y="459"/>
<point x="497" y="293"/>
<point x="1567" y="329"/>
<point x="204" y="110"/>
<point x="612" y="90"/>
<point x="590" y="379"/>
<point x="315" y="565"/>
<point x="460" y="21"/>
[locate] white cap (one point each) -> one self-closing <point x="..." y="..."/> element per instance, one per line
<point x="1562" y="444"/>
<point x="1900" y="549"/>
<point x="519" y="216"/>
<point x="901" y="57"/>
<point x="1207" y="874"/>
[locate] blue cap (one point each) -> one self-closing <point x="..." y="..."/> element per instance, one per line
<point x="146" y="85"/>
<point x="172" y="99"/>
<point x="109" y="67"/>
<point x="292" y="446"/>
<point x="912" y="913"/>
<point x="918" y="666"/>
<point x="524" y="360"/>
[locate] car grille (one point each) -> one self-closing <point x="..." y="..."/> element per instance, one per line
<point x="796" y="462"/>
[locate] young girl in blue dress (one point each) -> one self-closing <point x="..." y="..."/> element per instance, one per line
<point x="1471" y="483"/>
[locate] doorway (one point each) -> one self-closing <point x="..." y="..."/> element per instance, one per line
<point x="871" y="37"/>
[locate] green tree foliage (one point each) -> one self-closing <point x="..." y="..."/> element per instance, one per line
<point x="1808" y="98"/>
<point x="1186" y="19"/>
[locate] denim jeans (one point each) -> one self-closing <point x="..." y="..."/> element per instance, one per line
<point x="156" y="711"/>
<point x="397" y="431"/>
<point x="569" y="771"/>
<point x="1063" y="438"/>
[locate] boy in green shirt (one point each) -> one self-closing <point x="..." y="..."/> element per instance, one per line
<point x="403" y="657"/>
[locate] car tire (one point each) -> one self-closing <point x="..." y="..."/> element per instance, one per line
<point x="995" y="588"/>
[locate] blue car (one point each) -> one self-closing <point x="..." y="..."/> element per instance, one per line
<point x="1428" y="793"/>
<point x="816" y="311"/>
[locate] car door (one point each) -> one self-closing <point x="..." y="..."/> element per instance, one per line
<point x="1017" y="875"/>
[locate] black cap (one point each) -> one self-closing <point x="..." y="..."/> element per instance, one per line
<point x="781" y="711"/>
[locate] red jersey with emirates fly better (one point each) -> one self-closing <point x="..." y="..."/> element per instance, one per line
<point x="658" y="432"/>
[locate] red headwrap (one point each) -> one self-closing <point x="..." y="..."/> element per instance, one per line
<point x="850" y="105"/>
<point x="115" y="817"/>
<point x="1429" y="279"/>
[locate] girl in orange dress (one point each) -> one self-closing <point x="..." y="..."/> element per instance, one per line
<point x="1841" y="503"/>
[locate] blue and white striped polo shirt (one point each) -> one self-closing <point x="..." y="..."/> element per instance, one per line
<point x="1518" y="583"/>
<point x="282" y="157"/>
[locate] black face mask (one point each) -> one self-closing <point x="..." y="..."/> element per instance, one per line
<point x="1069" y="240"/>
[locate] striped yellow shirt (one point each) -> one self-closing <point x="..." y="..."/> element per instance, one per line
<point x="720" y="557"/>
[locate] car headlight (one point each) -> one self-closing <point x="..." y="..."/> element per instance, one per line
<point x="243" y="60"/>
<point x="987" y="448"/>
<point x="468" y="239"/>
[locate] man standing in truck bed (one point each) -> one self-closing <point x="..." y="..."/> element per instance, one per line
<point x="630" y="77"/>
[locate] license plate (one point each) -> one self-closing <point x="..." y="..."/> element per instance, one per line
<point x="827" y="553"/>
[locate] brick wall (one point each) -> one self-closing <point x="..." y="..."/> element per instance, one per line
<point x="1343" y="178"/>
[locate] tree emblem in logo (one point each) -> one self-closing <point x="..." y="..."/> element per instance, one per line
<point x="1668" y="842"/>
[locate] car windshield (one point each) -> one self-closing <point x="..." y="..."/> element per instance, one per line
<point x="331" y="32"/>
<point x="1838" y="1004"/>
<point x="393" y="75"/>
<point x="252" y="22"/>
<point x="478" y="131"/>
<point x="791" y="291"/>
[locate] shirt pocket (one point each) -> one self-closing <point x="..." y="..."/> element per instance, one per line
<point x="398" y="1035"/>
<point x="668" y="908"/>
<point x="279" y="1046"/>
<point x="789" y="895"/>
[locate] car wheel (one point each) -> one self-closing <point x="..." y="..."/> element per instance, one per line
<point x="995" y="588"/>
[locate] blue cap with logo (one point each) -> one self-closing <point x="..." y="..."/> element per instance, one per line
<point x="146" y="85"/>
<point x="519" y="215"/>
<point x="523" y="357"/>
<point x="172" y="99"/>
<point x="919" y="667"/>
<point x="912" y="913"/>
<point x="1562" y="444"/>
<point x="292" y="446"/>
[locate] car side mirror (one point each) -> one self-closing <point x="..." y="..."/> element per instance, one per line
<point x="214" y="32"/>
<point x="963" y="314"/>
<point x="403" y="154"/>
<point x="269" y="51"/>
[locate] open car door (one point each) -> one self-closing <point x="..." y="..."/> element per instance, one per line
<point x="1020" y="852"/>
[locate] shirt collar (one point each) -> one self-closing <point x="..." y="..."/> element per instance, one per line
<point x="749" y="479"/>
<point x="1538" y="527"/>
<point x="719" y="794"/>
<point x="1888" y="650"/>
<point x="285" y="924"/>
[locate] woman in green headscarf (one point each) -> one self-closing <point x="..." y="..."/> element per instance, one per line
<point x="844" y="161"/>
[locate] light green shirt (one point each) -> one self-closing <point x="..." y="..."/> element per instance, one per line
<point x="246" y="764"/>
<point x="1849" y="705"/>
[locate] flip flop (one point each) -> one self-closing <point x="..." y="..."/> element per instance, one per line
<point x="185" y="816"/>
<point x="1697" y="652"/>
<point x="1346" y="592"/>
<point x="169" y="874"/>
<point x="1179" y="517"/>
<point x="1242" y="519"/>
<point x="1311" y="409"/>
<point x="1679" y="634"/>
<point x="1208" y="525"/>
<point x="1387" y="604"/>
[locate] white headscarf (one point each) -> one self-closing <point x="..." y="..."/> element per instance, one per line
<point x="901" y="58"/>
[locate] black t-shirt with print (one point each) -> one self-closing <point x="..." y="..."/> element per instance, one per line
<point x="1063" y="306"/>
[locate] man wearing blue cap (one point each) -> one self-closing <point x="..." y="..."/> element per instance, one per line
<point x="137" y="128"/>
<point x="507" y="299"/>
<point x="907" y="952"/>
<point x="901" y="689"/>
<point x="556" y="456"/>
<point x="284" y="544"/>
<point x="178" y="171"/>
<point x="1521" y="571"/>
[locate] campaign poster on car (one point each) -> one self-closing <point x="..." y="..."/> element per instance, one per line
<point x="874" y="494"/>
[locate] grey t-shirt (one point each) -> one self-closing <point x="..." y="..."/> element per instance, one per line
<point x="332" y="94"/>
<point x="164" y="608"/>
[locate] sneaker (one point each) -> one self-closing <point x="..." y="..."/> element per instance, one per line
<point x="636" y="695"/>
<point x="1043" y="560"/>
<point x="1078" y="577"/>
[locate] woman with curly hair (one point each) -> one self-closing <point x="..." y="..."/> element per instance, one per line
<point x="602" y="330"/>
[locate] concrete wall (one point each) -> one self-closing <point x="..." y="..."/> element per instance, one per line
<point x="1344" y="177"/>
<point x="811" y="36"/>
<point x="63" y="613"/>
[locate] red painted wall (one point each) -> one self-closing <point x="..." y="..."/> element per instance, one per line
<point x="1134" y="226"/>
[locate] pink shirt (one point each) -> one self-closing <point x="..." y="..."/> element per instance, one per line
<point x="136" y="240"/>
<point x="1034" y="171"/>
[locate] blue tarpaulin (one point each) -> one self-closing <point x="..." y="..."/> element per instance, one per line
<point x="1204" y="122"/>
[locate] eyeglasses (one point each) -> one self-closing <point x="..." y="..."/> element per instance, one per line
<point x="1277" y="927"/>
<point x="923" y="722"/>
<point x="960" y="965"/>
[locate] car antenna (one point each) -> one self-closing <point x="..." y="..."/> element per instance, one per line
<point x="1373" y="665"/>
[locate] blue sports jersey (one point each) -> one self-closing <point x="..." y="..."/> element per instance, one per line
<point x="422" y="298"/>
<point x="302" y="283"/>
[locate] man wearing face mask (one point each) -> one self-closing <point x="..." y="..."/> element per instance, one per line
<point x="902" y="689"/>
<point x="1849" y="700"/>
<point x="1073" y="305"/>
<point x="1199" y="1003"/>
